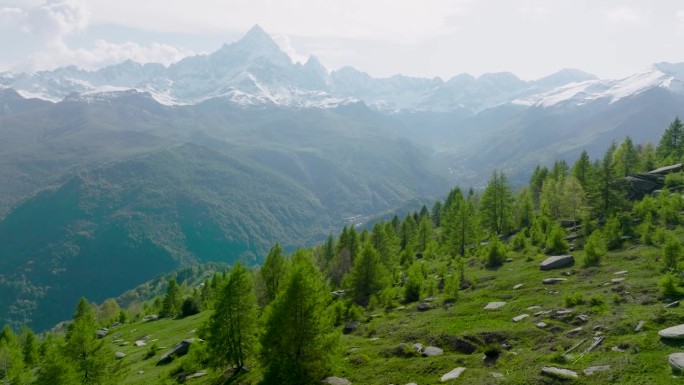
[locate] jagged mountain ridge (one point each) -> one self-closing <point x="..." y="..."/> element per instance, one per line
<point x="255" y="71"/>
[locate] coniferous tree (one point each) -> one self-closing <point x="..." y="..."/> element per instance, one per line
<point x="382" y="244"/>
<point x="173" y="299"/>
<point x="626" y="158"/>
<point x="272" y="273"/>
<point x="496" y="205"/>
<point x="436" y="213"/>
<point x="671" y="146"/>
<point x="524" y="208"/>
<point x="232" y="326"/>
<point x="582" y="170"/>
<point x="367" y="277"/>
<point x="424" y="233"/>
<point x="465" y="226"/>
<point x="56" y="368"/>
<point x="89" y="354"/>
<point x="536" y="182"/>
<point x="607" y="192"/>
<point x="29" y="346"/>
<point x="11" y="358"/>
<point x="296" y="343"/>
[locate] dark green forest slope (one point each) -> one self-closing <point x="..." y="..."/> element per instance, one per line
<point x="467" y="278"/>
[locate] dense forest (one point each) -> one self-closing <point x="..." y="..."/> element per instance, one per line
<point x="282" y="323"/>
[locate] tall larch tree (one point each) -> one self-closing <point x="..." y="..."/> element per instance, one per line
<point x="296" y="343"/>
<point x="233" y="325"/>
<point x="671" y="146"/>
<point x="173" y="299"/>
<point x="272" y="273"/>
<point x="496" y="204"/>
<point x="90" y="355"/>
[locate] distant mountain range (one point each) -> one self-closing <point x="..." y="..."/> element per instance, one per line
<point x="110" y="177"/>
<point x="254" y="71"/>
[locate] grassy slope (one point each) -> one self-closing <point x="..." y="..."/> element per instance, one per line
<point x="364" y="357"/>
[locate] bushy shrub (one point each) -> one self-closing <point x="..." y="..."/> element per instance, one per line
<point x="671" y="252"/>
<point x="669" y="284"/>
<point x="191" y="306"/>
<point x="594" y="249"/>
<point x="414" y="283"/>
<point x="495" y="253"/>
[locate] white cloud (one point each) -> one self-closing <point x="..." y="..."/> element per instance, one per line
<point x="285" y="45"/>
<point x="105" y="53"/>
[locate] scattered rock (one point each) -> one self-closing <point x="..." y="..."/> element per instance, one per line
<point x="101" y="333"/>
<point x="150" y="317"/>
<point x="672" y="304"/>
<point x="496" y="375"/>
<point x="583" y="318"/>
<point x="541" y="313"/>
<point x="494" y="305"/>
<point x="591" y="370"/>
<point x="180" y="349"/>
<point x="350" y="326"/>
<point x="336" y="381"/>
<point x="558" y="373"/>
<point x="140" y="343"/>
<point x="674" y="333"/>
<point x="541" y="325"/>
<point x="432" y="351"/>
<point x="141" y="372"/>
<point x="452" y="375"/>
<point x="508" y="260"/>
<point x="639" y="326"/>
<point x="423" y="306"/>
<point x="535" y="307"/>
<point x="573" y="236"/>
<point x="676" y="361"/>
<point x="551" y="281"/>
<point x="119" y="355"/>
<point x="621" y="272"/>
<point x="374" y="339"/>
<point x="574" y="331"/>
<point x="201" y="373"/>
<point x="557" y="262"/>
<point x="518" y="286"/>
<point x="617" y="280"/>
<point x="418" y="347"/>
<point x="520" y="317"/>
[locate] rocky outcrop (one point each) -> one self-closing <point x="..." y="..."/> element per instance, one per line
<point x="639" y="185"/>
<point x="557" y="262"/>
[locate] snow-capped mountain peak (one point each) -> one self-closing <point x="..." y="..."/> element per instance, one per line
<point x="254" y="70"/>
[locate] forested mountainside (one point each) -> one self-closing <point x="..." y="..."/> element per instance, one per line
<point x="564" y="279"/>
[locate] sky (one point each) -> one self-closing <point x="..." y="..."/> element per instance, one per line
<point x="531" y="38"/>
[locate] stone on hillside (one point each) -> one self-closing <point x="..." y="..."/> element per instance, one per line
<point x="541" y="313"/>
<point x="432" y="351"/>
<point x="551" y="281"/>
<point x="150" y="317"/>
<point x="672" y="304"/>
<point x="593" y="369"/>
<point x="201" y="373"/>
<point x="563" y="374"/>
<point x="621" y="272"/>
<point x="574" y="331"/>
<point x="496" y="375"/>
<point x="418" y="347"/>
<point x="520" y="317"/>
<point x="101" y="333"/>
<point x="140" y="343"/>
<point x="673" y="333"/>
<point x="423" y="306"/>
<point x="119" y="355"/>
<point x="411" y="383"/>
<point x="535" y="307"/>
<point x="336" y="381"/>
<point x="617" y="280"/>
<point x="639" y="326"/>
<point x="541" y="325"/>
<point x="557" y="262"/>
<point x="350" y="327"/>
<point x="452" y="375"/>
<point x="518" y="286"/>
<point x="573" y="236"/>
<point x="494" y="305"/>
<point x="676" y="361"/>
<point x="180" y="349"/>
<point x="582" y="318"/>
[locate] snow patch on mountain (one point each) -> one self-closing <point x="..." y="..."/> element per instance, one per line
<point x="579" y="93"/>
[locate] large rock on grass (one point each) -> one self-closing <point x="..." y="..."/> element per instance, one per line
<point x="563" y="374"/>
<point x="336" y="381"/>
<point x="557" y="262"/>
<point x="452" y="375"/>
<point x="673" y="333"/>
<point x="676" y="361"/>
<point x="180" y="349"/>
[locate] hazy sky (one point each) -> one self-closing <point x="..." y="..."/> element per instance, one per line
<point x="531" y="38"/>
